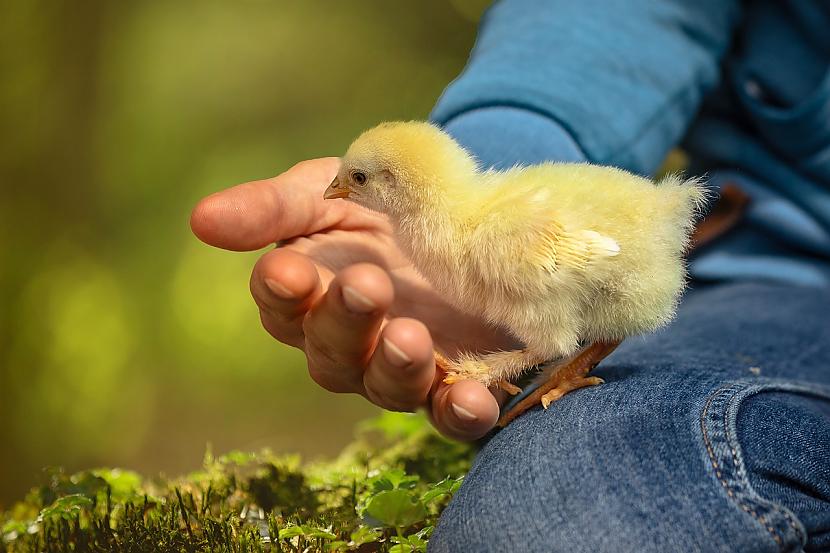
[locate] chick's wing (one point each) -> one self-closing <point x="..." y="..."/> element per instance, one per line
<point x="554" y="247"/>
<point x="524" y="225"/>
<point x="553" y="244"/>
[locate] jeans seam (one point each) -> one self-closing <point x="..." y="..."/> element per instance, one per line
<point x="719" y="431"/>
<point x="719" y="474"/>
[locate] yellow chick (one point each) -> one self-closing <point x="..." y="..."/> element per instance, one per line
<point x="568" y="257"/>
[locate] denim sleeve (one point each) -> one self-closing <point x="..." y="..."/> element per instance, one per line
<point x="621" y="78"/>
<point x="503" y="136"/>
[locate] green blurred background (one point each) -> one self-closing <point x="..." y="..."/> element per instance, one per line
<point x="124" y="340"/>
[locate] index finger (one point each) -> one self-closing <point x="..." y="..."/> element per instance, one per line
<point x="252" y="215"/>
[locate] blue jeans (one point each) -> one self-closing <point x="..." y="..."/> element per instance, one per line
<point x="712" y="435"/>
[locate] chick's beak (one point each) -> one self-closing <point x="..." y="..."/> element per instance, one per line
<point x="337" y="190"/>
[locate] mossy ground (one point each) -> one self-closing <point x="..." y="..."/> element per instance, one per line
<point x="383" y="493"/>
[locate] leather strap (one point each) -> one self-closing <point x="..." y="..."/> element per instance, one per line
<point x="724" y="215"/>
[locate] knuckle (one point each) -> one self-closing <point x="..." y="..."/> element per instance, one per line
<point x="285" y="314"/>
<point x="322" y="346"/>
<point x="319" y="360"/>
<point x="285" y="333"/>
<point x="389" y="404"/>
<point x="259" y="297"/>
<point x="276" y="317"/>
<point x="325" y="377"/>
<point x="405" y="403"/>
<point x="325" y="363"/>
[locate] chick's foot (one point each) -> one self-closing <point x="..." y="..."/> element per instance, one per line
<point x="503" y="384"/>
<point x="564" y="378"/>
<point x="468" y="369"/>
<point x="454" y="374"/>
<point x="491" y="369"/>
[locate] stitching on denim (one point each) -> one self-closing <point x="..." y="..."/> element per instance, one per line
<point x="731" y="442"/>
<point x="726" y="395"/>
<point x="719" y="473"/>
<point x="735" y="463"/>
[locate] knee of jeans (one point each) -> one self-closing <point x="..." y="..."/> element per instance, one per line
<point x="608" y="475"/>
<point x="563" y="481"/>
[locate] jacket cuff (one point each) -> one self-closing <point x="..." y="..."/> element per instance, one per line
<point x="503" y="136"/>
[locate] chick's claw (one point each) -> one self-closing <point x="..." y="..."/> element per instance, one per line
<point x="509" y="387"/>
<point x="569" y="385"/>
<point x="441" y="362"/>
<point x="452" y="379"/>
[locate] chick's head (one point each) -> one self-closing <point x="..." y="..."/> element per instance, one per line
<point x="402" y="168"/>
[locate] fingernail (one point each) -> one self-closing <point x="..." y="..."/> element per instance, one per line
<point x="280" y="290"/>
<point x="394" y="354"/>
<point x="463" y="414"/>
<point x="357" y="302"/>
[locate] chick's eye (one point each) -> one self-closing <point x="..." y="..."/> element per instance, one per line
<point x="359" y="177"/>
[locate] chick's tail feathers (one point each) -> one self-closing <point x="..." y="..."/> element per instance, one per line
<point x="686" y="200"/>
<point x="688" y="197"/>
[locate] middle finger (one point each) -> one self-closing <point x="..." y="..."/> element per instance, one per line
<point x="341" y="330"/>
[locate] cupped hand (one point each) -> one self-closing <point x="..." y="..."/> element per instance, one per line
<point x="340" y="289"/>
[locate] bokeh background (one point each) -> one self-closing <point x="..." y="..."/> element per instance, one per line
<point x="125" y="341"/>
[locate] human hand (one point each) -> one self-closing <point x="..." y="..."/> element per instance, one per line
<point x="340" y="289"/>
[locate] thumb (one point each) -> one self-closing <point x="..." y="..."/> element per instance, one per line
<point x="252" y="215"/>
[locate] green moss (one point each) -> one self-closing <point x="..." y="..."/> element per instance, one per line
<point x="383" y="493"/>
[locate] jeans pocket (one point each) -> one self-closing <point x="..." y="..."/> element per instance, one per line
<point x="718" y="421"/>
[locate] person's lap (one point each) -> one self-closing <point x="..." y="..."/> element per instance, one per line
<point x="712" y="435"/>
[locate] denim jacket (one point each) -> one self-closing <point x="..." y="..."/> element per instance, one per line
<point x="744" y="87"/>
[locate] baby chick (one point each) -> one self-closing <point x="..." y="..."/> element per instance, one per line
<point x="568" y="257"/>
